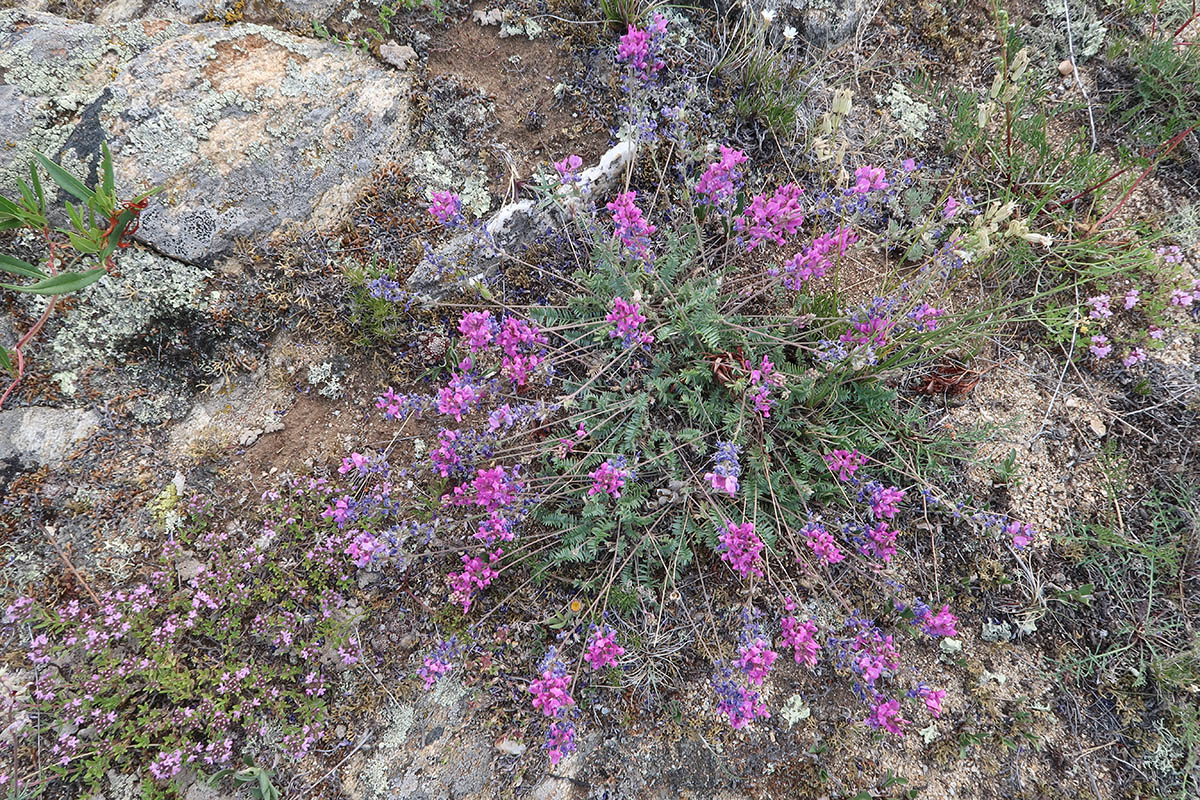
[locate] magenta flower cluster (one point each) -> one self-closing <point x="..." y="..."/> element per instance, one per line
<point x="637" y="47"/>
<point x="771" y="219"/>
<point x="628" y="319"/>
<point x="741" y="549"/>
<point x="721" y="179"/>
<point x="631" y="227"/>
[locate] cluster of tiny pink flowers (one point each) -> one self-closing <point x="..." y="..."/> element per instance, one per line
<point x="602" y="648"/>
<point x="630" y="226"/>
<point x="885" y="501"/>
<point x="926" y="317"/>
<point x="726" y="468"/>
<point x="477" y="574"/>
<point x="1100" y="307"/>
<point x="609" y="478"/>
<point x="881" y="542"/>
<point x="628" y="320"/>
<point x="755" y="659"/>
<point x="869" y="179"/>
<point x="438" y="662"/>
<point x="552" y="696"/>
<point x="772" y="218"/>
<point x="844" y="463"/>
<point x="874" y="655"/>
<point x="636" y="47"/>
<point x="446" y="208"/>
<point x="720" y="181"/>
<point x="762" y="378"/>
<point x="813" y="262"/>
<point x="741" y="549"/>
<point x="479" y="328"/>
<point x="568" y="169"/>
<point x="1100" y="346"/>
<point x="461" y="395"/>
<point x="941" y="623"/>
<point x="822" y="543"/>
<point x="885" y="714"/>
<point x="800" y="636"/>
<point x="521" y="343"/>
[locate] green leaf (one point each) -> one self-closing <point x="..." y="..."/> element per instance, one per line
<point x="18" y="267"/>
<point x="6" y="361"/>
<point x="61" y="284"/>
<point x="83" y="244"/>
<point x="107" y="166"/>
<point x="65" y="179"/>
<point x="37" y="188"/>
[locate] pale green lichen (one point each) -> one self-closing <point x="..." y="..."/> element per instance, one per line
<point x="114" y="310"/>
<point x="911" y="115"/>
<point x="326" y="377"/>
<point x="1087" y="31"/>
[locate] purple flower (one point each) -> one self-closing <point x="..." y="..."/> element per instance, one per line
<point x="755" y="659"/>
<point x="801" y="637"/>
<point x="551" y="692"/>
<point x="724" y="476"/>
<point x="813" y="262"/>
<point x="477" y="574"/>
<point x="741" y="705"/>
<point x="933" y="700"/>
<point x="869" y="179"/>
<point x="1022" y="534"/>
<point x="438" y="662"/>
<point x="1136" y="356"/>
<point x="772" y="218"/>
<point x="1182" y="299"/>
<point x="885" y="502"/>
<point x="885" y="714"/>
<point x="602" y="649"/>
<point x="1100" y="306"/>
<point x="1100" y="346"/>
<point x="844" y="463"/>
<point x="721" y="179"/>
<point x="636" y="47"/>
<point x="1131" y="299"/>
<point x="821" y="542"/>
<point x="951" y="208"/>
<point x="940" y="624"/>
<point x="568" y="168"/>
<point x="446" y="208"/>
<point x="630" y="226"/>
<point x="560" y="739"/>
<point x="741" y="548"/>
<point x="628" y="320"/>
<point x="609" y="477"/>
<point x="479" y="328"/>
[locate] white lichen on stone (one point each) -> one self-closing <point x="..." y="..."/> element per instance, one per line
<point x="911" y="115"/>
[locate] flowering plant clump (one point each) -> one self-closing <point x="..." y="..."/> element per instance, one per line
<point x="693" y="393"/>
<point x="211" y="645"/>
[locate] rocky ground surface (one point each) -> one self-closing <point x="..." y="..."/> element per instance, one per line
<point x="213" y="356"/>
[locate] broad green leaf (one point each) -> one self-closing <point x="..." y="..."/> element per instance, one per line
<point x="18" y="267"/>
<point x="65" y="179"/>
<point x="9" y="207"/>
<point x="60" y="284"/>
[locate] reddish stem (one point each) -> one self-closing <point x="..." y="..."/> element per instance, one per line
<point x="1171" y="145"/>
<point x="17" y="351"/>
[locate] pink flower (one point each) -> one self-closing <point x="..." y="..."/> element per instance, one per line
<point x="801" y="637"/>
<point x="1100" y="347"/>
<point x="755" y="659"/>
<point x="723" y="483"/>
<point x="719" y="182"/>
<point x="885" y="502"/>
<point x="885" y="714"/>
<point x="603" y="650"/>
<point x="1155" y="333"/>
<point x="477" y="574"/>
<point x="628" y="320"/>
<point x="844" y="463"/>
<point x="940" y="624"/>
<point x="741" y="549"/>
<point x="1131" y="299"/>
<point x="1100" y="306"/>
<point x="1136" y="356"/>
<point x="446" y="208"/>
<point x="772" y="219"/>
<point x="909" y="164"/>
<point x="568" y="168"/>
<point x="609" y="477"/>
<point x="869" y="179"/>
<point x="630" y="226"/>
<point x="933" y="701"/>
<point x="1181" y="298"/>
<point x="951" y="207"/>
<point x="479" y="327"/>
<point x="1022" y="534"/>
<point x="821" y="542"/>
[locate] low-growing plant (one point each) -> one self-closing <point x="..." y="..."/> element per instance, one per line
<point x="76" y="257"/>
<point x="700" y="389"/>
<point x="226" y="643"/>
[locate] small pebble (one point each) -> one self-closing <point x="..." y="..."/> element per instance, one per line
<point x="1066" y="67"/>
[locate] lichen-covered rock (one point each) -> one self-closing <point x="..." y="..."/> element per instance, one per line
<point x="147" y="291"/>
<point x="36" y="437"/>
<point x="264" y="11"/>
<point x="826" y="23"/>
<point x="472" y="256"/>
<point x="245" y="127"/>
